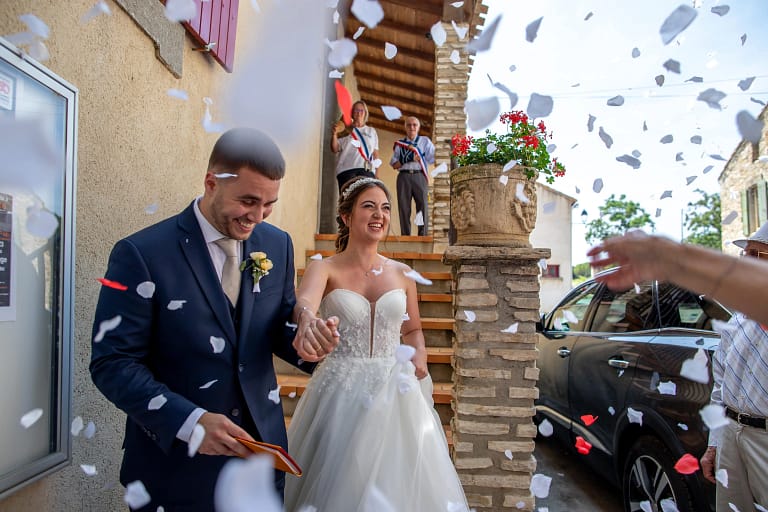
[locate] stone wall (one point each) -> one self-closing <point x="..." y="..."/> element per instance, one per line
<point x="495" y="372"/>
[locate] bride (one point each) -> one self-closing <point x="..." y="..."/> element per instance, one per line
<point x="365" y="431"/>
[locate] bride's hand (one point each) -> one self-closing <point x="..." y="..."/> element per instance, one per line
<point x="316" y="338"/>
<point x="420" y="362"/>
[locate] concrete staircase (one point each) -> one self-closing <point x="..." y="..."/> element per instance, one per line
<point x="435" y="307"/>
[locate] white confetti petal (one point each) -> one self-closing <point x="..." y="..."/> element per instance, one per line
<point x="376" y="163"/>
<point x="668" y="505"/>
<point x="532" y="30"/>
<point x="713" y="416"/>
<point x="136" y="495"/>
<point x="274" y="394"/>
<point x="722" y="476"/>
<point x="637" y="288"/>
<point x="292" y="394"/>
<point x="558" y="323"/>
<point x="369" y="12"/>
<point x="390" y="51"/>
<point x="461" y="32"/>
<point x="412" y="274"/>
<point x="247" y="485"/>
<point x="336" y="17"/>
<point x="545" y="428"/>
<point x="77" y="426"/>
<point x="36" y="25"/>
<point x="570" y="317"/>
<point x="88" y="469"/>
<point x="543" y="264"/>
<point x="225" y="175"/>
<point x="540" y="485"/>
<point x="490" y="148"/>
<point x="419" y="219"/>
<point x="591" y="123"/>
<point x="391" y="113"/>
<point x="146" y="289"/>
<point x="645" y="506"/>
<point x="509" y="165"/>
<point x="483" y="41"/>
<point x="733" y="507"/>
<point x="355" y="143"/>
<point x="157" y="402"/>
<point x="508" y="454"/>
<point x="672" y="66"/>
<point x="616" y="101"/>
<point x="512" y="329"/>
<point x="682" y="426"/>
<point x="41" y="223"/>
<point x="440" y="169"/>
<point x="611" y="410"/>
<point x="696" y="139"/>
<point x="667" y="388"/>
<point x="105" y="326"/>
<point x="630" y="161"/>
<point x="342" y="53"/>
<point x="358" y="32"/>
<point x="457" y="4"/>
<point x="31" y="417"/>
<point x="520" y="194"/>
<point x="209" y="384"/>
<point x="635" y="416"/>
<point x="335" y="73"/>
<point x="751" y="129"/>
<point x="667" y="139"/>
<point x="712" y="98"/>
<point x="677" y="22"/>
<point x="180" y="10"/>
<point x="217" y="344"/>
<point x="178" y="94"/>
<point x="732" y="216"/>
<point x="406" y="317"/>
<point x="469" y="316"/>
<point x="539" y="106"/>
<point x="151" y="209"/>
<point x="404" y="353"/>
<point x="455" y="57"/>
<point x="438" y="33"/>
<point x="99" y="8"/>
<point x="482" y="112"/>
<point x="377" y="271"/>
<point x="511" y="95"/>
<point x="607" y="139"/>
<point x="597" y="186"/>
<point x="746" y="83"/>
<point x="720" y="10"/>
<point x="635" y="53"/>
<point x="503" y="179"/>
<point x="195" y="440"/>
<point x="665" y="194"/>
<point x="696" y="369"/>
<point x="90" y="430"/>
<point x="176" y="304"/>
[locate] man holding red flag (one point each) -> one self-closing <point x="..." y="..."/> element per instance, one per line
<point x="410" y="159"/>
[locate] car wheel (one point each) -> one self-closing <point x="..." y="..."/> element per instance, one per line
<point x="649" y="475"/>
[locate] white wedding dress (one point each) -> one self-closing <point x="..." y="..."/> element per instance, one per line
<point x="365" y="431"/>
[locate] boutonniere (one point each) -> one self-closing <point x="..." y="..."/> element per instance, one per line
<point x="260" y="267"/>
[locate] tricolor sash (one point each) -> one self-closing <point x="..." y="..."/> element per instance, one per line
<point x="363" y="147"/>
<point x="411" y="146"/>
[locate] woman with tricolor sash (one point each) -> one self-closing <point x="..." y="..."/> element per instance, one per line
<point x="359" y="149"/>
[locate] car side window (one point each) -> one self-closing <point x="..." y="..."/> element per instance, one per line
<point x="681" y="308"/>
<point x="571" y="314"/>
<point x="624" y="311"/>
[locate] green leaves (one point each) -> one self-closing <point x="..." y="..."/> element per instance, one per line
<point x="617" y="216"/>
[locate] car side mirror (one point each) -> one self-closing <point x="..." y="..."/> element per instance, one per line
<point x="540" y="323"/>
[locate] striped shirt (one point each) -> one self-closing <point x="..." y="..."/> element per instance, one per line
<point x="740" y="369"/>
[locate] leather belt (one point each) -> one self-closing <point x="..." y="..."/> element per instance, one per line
<point x="410" y="171"/>
<point x="745" y="419"/>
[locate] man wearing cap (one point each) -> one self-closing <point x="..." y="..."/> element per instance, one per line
<point x="410" y="158"/>
<point x="740" y="369"/>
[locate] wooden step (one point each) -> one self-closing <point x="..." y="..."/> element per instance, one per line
<point x="438" y="324"/>
<point x="395" y="255"/>
<point x="296" y="384"/>
<point x="391" y="238"/>
<point x="432" y="276"/>
<point x="446" y="429"/>
<point x="435" y="297"/>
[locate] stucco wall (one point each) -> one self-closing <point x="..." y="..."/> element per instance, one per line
<point x="136" y="146"/>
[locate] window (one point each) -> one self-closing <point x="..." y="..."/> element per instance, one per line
<point x="214" y="28"/>
<point x="551" y="271"/>
<point x="571" y="314"/>
<point x="625" y="311"/>
<point x="754" y="207"/>
<point x="38" y="111"/>
<point x="681" y="308"/>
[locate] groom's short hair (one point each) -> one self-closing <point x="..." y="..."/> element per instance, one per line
<point x="247" y="147"/>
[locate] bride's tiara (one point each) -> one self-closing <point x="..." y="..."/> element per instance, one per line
<point x="358" y="184"/>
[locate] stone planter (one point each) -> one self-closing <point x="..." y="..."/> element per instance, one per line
<point x="487" y="212"/>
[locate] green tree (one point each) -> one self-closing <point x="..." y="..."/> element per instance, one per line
<point x="703" y="222"/>
<point x="617" y="216"/>
<point x="581" y="272"/>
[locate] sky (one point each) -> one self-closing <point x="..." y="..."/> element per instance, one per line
<point x="582" y="60"/>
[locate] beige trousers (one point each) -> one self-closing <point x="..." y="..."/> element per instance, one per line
<point x="743" y="453"/>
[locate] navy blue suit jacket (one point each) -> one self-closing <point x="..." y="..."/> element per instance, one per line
<point x="156" y="351"/>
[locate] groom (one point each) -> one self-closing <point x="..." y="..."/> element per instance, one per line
<point x="190" y="341"/>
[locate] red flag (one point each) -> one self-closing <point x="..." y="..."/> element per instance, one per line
<point x="687" y="464"/>
<point x="344" y="100"/>
<point x="582" y="446"/>
<point x="112" y="284"/>
<point x="588" y="419"/>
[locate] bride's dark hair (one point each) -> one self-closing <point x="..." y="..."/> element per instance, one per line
<point x="349" y="194"/>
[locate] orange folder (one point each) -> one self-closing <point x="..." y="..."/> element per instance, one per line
<point x="282" y="460"/>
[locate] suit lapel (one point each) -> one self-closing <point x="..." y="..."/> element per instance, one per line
<point x="196" y="252"/>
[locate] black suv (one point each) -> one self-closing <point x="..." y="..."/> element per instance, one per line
<point x="604" y="353"/>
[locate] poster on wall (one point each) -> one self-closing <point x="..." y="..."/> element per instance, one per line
<point x="7" y="295"/>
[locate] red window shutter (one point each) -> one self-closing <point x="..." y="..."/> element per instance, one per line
<point x="216" y="22"/>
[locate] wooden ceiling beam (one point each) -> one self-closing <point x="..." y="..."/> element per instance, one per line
<point x="412" y="30"/>
<point x="396" y="97"/>
<point x="420" y="5"/>
<point x="392" y="82"/>
<point x="378" y="48"/>
<point x="395" y="126"/>
<point x="395" y="68"/>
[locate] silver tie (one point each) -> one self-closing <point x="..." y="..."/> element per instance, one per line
<point x="230" y="273"/>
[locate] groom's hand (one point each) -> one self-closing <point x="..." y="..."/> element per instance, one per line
<point x="318" y="339"/>
<point x="219" y="436"/>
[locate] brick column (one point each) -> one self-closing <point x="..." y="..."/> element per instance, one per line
<point x="450" y="94"/>
<point x="495" y="373"/>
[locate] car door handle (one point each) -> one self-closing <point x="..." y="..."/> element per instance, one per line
<point x="619" y="363"/>
<point x="563" y="352"/>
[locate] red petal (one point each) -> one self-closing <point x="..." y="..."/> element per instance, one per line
<point x="588" y="419"/>
<point x="582" y="446"/>
<point x="344" y="99"/>
<point x="687" y="464"/>
<point x="112" y="284"/>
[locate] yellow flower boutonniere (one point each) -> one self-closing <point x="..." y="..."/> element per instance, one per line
<point x="260" y="267"/>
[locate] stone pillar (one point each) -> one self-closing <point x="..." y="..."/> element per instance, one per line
<point x="450" y="94"/>
<point x="495" y="372"/>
